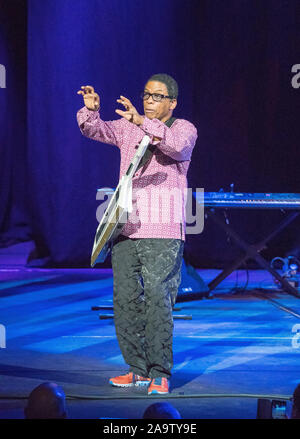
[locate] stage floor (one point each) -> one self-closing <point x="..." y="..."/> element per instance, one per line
<point x="237" y="346"/>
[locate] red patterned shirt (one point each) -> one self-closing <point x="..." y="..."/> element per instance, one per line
<point x="158" y="186"/>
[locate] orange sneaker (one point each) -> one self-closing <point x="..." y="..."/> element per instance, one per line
<point x="158" y="385"/>
<point x="129" y="380"/>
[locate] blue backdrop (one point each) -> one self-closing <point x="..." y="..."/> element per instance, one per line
<point x="233" y="63"/>
<point x="14" y="221"/>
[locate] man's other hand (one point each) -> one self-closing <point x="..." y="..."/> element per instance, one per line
<point x="131" y="113"/>
<point x="91" y="99"/>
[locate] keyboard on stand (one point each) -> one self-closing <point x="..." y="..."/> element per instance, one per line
<point x="247" y="200"/>
<point x="215" y="201"/>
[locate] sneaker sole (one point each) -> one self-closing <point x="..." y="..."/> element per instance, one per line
<point x="156" y="392"/>
<point x="121" y="385"/>
<point x="136" y="384"/>
<point x="142" y="383"/>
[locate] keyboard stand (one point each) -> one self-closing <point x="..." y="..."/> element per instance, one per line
<point x="111" y="316"/>
<point x="252" y="251"/>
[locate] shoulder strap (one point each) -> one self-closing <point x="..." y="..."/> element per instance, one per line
<point x="150" y="150"/>
<point x="170" y="121"/>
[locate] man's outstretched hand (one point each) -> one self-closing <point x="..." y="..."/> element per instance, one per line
<point x="131" y="113"/>
<point x="91" y="99"/>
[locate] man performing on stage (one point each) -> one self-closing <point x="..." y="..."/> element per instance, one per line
<point x="147" y="256"/>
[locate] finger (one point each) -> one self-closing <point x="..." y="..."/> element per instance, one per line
<point x="88" y="89"/>
<point x="126" y="101"/>
<point x="80" y="92"/>
<point x="126" y="105"/>
<point x="83" y="89"/>
<point x="122" y="113"/>
<point x="126" y="114"/>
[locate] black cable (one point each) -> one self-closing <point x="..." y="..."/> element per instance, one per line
<point x="277" y="304"/>
<point x="168" y="396"/>
<point x="236" y="289"/>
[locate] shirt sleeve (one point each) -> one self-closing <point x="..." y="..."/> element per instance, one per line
<point x="92" y="126"/>
<point x="177" y="142"/>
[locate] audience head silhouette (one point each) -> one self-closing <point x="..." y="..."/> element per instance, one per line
<point x="296" y="403"/>
<point x="46" y="401"/>
<point x="161" y="410"/>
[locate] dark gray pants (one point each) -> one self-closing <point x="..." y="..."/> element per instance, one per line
<point x="147" y="274"/>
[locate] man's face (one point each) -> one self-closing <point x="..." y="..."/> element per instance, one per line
<point x="161" y="110"/>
